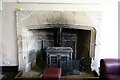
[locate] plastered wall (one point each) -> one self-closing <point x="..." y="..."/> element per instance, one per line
<point x="0" y="37"/>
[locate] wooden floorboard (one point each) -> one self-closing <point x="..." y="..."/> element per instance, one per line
<point x="89" y="76"/>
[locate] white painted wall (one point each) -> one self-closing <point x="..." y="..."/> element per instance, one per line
<point x="9" y="35"/>
<point x="0" y="37"/>
<point x="0" y="4"/>
<point x="60" y="1"/>
<point x="109" y="33"/>
<point x="107" y="36"/>
<point x="0" y="32"/>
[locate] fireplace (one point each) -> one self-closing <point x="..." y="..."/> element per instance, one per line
<point x="56" y="43"/>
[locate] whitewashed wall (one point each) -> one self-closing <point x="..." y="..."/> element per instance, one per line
<point x="109" y="35"/>
<point x="1" y="38"/>
<point x="0" y="32"/>
<point x="0" y="4"/>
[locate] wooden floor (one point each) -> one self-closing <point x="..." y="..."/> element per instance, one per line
<point x="89" y="76"/>
<point x="72" y="77"/>
<point x="79" y="78"/>
<point x="86" y="76"/>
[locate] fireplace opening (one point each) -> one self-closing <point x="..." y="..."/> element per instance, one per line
<point x="77" y="41"/>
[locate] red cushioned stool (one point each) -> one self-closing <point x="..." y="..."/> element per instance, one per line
<point x="52" y="74"/>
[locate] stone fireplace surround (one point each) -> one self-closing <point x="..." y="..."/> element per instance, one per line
<point x="33" y="39"/>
